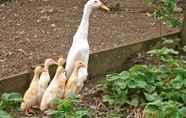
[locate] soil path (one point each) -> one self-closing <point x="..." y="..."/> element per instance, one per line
<point x="33" y="30"/>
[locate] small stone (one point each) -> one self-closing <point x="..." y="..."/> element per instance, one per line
<point x="21" y="32"/>
<point x="18" y="24"/>
<point x="35" y="36"/>
<point x="38" y="21"/>
<point x="53" y="25"/>
<point x="51" y="10"/>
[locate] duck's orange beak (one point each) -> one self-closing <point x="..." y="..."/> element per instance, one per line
<point x="104" y="7"/>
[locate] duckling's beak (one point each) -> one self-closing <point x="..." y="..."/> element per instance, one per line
<point x="85" y="66"/>
<point x="44" y="70"/>
<point x="104" y="7"/>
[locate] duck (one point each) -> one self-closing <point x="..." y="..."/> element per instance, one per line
<point x="31" y="95"/>
<point x="45" y="78"/>
<point x="76" y="81"/>
<point x="56" y="88"/>
<point x="80" y="49"/>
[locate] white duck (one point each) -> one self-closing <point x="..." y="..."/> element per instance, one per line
<point x="80" y="47"/>
<point x="45" y="78"/>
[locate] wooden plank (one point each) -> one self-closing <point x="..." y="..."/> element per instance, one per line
<point x="18" y="82"/>
<point x="183" y="43"/>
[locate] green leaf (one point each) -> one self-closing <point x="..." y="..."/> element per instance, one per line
<point x="11" y="97"/>
<point x="67" y="105"/>
<point x="152" y="97"/>
<point x="177" y="83"/>
<point x="184" y="48"/>
<point x="82" y="114"/>
<point x="151" y="109"/>
<point x="109" y="99"/>
<point x="183" y="111"/>
<point x="168" y="41"/>
<point x="132" y="84"/>
<point x="4" y="114"/>
<point x="134" y="102"/>
<point x="150" y="88"/>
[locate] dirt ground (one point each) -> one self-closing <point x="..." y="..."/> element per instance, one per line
<point x="33" y="30"/>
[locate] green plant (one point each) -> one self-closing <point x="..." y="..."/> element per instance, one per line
<point x="8" y="102"/>
<point x="66" y="108"/>
<point x="159" y="89"/>
<point x="4" y="114"/>
<point x="164" y="12"/>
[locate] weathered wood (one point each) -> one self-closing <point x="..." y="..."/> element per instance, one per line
<point x="183" y="34"/>
<point x="18" y="82"/>
<point x="113" y="60"/>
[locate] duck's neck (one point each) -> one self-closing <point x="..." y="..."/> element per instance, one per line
<point x="82" y="32"/>
<point x="36" y="76"/>
<point x="46" y="68"/>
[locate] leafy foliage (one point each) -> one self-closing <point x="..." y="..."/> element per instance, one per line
<point x="66" y="108"/>
<point x="9" y="101"/>
<point x="164" y="12"/>
<point x="4" y="114"/>
<point x="159" y="89"/>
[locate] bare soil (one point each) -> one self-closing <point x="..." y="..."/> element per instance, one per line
<point x="33" y="30"/>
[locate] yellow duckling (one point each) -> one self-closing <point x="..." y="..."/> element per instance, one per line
<point x="45" y="78"/>
<point x="76" y="80"/>
<point x="31" y="95"/>
<point x="56" y="87"/>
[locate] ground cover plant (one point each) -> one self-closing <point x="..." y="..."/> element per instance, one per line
<point x="164" y="11"/>
<point x="69" y="108"/>
<point x="158" y="89"/>
<point x="9" y="102"/>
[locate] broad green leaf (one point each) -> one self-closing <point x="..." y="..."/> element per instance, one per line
<point x="152" y="97"/>
<point x="82" y="114"/>
<point x="150" y="88"/>
<point x="168" y="41"/>
<point x="183" y="96"/>
<point x="4" y="114"/>
<point x="134" y="102"/>
<point x="109" y="99"/>
<point x="11" y="97"/>
<point x="132" y="83"/>
<point x="177" y="83"/>
<point x="141" y="83"/>
<point x="184" y="48"/>
<point x="183" y="111"/>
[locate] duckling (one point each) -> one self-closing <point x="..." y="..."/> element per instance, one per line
<point x="56" y="87"/>
<point x="76" y="81"/>
<point x="44" y="78"/>
<point x="31" y="95"/>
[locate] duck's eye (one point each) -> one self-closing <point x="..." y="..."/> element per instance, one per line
<point x="95" y="1"/>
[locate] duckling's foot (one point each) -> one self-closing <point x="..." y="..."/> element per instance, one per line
<point x="29" y="112"/>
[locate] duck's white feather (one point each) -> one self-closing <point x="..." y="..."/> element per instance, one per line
<point x="80" y="47"/>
